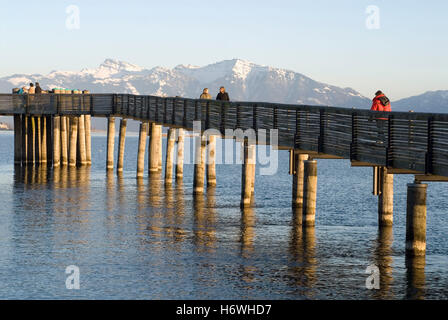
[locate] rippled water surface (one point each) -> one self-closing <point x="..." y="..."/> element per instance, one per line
<point x="137" y="239"/>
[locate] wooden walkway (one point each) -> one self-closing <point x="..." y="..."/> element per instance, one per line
<point x="414" y="143"/>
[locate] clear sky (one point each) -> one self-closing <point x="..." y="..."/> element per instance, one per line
<point x="326" y="40"/>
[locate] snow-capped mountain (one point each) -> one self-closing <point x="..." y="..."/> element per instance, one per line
<point x="431" y="101"/>
<point x="245" y="81"/>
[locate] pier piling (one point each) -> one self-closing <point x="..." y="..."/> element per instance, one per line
<point x="199" y="164"/>
<point x="297" y="179"/>
<point x="309" y="192"/>
<point x="416" y="219"/>
<point x="43" y="145"/>
<point x="154" y="149"/>
<point x="143" y="133"/>
<point x="180" y="154"/>
<point x="121" y="144"/>
<point x="73" y="141"/>
<point x="82" y="140"/>
<point x="386" y="198"/>
<point x="110" y="142"/>
<point x="56" y="141"/>
<point x="247" y="174"/>
<point x="87" y="125"/>
<point x="169" y="161"/>
<point x="64" y="143"/>
<point x="17" y="140"/>
<point x="211" y="160"/>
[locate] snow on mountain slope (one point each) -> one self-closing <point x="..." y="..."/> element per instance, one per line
<point x="244" y="80"/>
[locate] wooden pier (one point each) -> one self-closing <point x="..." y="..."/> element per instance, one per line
<point x="53" y="130"/>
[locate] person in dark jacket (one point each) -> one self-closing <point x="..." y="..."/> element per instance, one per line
<point x="222" y="95"/>
<point x="381" y="103"/>
<point x="38" y="89"/>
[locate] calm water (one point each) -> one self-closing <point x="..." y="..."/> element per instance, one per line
<point x="136" y="239"/>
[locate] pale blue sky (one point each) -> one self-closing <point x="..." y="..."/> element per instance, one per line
<point x="325" y="40"/>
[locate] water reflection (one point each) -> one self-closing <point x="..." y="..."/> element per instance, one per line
<point x="204" y="222"/>
<point x="415" y="277"/>
<point x="248" y="220"/>
<point x="302" y="250"/>
<point x="383" y="260"/>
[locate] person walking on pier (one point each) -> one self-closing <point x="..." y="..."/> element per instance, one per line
<point x="38" y="89"/>
<point x="205" y="94"/>
<point x="381" y="103"/>
<point x="222" y="95"/>
<point x="31" y="90"/>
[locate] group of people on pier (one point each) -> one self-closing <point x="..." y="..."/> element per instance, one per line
<point x="32" y="89"/>
<point x="222" y="95"/>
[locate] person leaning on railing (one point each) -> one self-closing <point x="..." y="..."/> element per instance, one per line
<point x="381" y="103"/>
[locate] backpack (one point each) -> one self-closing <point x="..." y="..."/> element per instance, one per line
<point x="384" y="100"/>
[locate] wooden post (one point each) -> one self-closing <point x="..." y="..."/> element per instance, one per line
<point x="82" y="140"/>
<point x="73" y="141"/>
<point x="247" y="175"/>
<point x="199" y="164"/>
<point x="169" y="161"/>
<point x="141" y="148"/>
<point x="180" y="154"/>
<point x="43" y="145"/>
<point x="211" y="160"/>
<point x="121" y="144"/>
<point x="56" y="141"/>
<point x="64" y="144"/>
<point x="17" y="140"/>
<point x="49" y="143"/>
<point x="87" y="125"/>
<point x="416" y="219"/>
<point x="386" y="198"/>
<point x="154" y="149"/>
<point x="38" y="141"/>
<point x="309" y="192"/>
<point x="110" y="142"/>
<point x="297" y="179"/>
<point x="25" y="141"/>
<point x="160" y="147"/>
<point x="31" y="140"/>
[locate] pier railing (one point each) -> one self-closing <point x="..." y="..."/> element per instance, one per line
<point x="411" y="141"/>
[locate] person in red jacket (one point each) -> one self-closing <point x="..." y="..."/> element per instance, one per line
<point x="381" y="103"/>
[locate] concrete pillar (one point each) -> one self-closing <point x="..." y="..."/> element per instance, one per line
<point x="199" y="164"/>
<point x="247" y="175"/>
<point x="87" y="125"/>
<point x="180" y="154"/>
<point x="56" y="141"/>
<point x="297" y="179"/>
<point x="141" y="148"/>
<point x="211" y="160"/>
<point x="386" y="198"/>
<point x="416" y="219"/>
<point x="82" y="140"/>
<point x="154" y="149"/>
<point x="17" y="140"/>
<point x="169" y="163"/>
<point x="43" y="145"/>
<point x="64" y="143"/>
<point x="309" y="192"/>
<point x="73" y="141"/>
<point x="110" y="142"/>
<point x="121" y="144"/>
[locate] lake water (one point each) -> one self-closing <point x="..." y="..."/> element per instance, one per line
<point x="137" y="239"/>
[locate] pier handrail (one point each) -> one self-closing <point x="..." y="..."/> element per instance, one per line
<point x="412" y="141"/>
